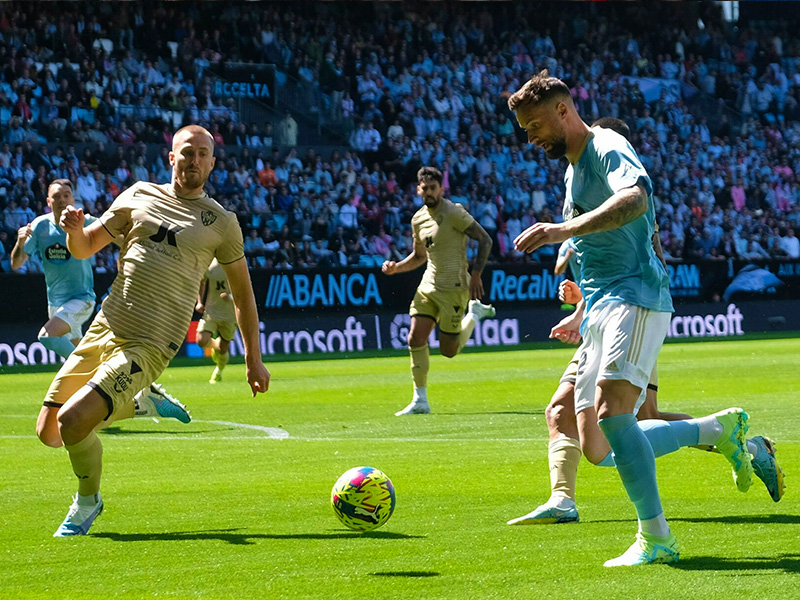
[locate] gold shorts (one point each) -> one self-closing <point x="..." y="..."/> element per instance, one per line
<point x="571" y="372"/>
<point x="117" y="368"/>
<point x="446" y="307"/>
<point x="225" y="329"/>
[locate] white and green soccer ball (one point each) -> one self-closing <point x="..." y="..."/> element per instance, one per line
<point x="363" y="498"/>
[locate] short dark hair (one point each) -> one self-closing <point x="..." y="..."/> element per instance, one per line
<point x="618" y="125"/>
<point x="540" y="88"/>
<point x="430" y="173"/>
<point x="65" y="182"/>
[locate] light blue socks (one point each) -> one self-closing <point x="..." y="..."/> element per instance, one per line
<point x="60" y="345"/>
<point x="635" y="462"/>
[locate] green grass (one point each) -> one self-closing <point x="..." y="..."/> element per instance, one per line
<point x="208" y="510"/>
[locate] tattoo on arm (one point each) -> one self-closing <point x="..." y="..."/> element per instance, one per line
<point x="623" y="207"/>
<point x="476" y="232"/>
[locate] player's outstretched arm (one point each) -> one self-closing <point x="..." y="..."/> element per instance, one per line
<point x="247" y="318"/>
<point x="478" y="233"/>
<point x="417" y="258"/>
<point x="621" y="208"/>
<point x="83" y="242"/>
<point x="18" y="254"/>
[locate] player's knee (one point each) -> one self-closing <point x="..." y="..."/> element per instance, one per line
<point x="557" y="416"/>
<point x="203" y="340"/>
<point x="594" y="456"/>
<point x="48" y="437"/>
<point x="68" y="420"/>
<point x="448" y="352"/>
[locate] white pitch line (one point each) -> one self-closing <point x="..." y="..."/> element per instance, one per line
<point x="274" y="433"/>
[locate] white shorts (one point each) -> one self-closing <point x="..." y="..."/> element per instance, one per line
<point x="74" y="313"/>
<point x="620" y="342"/>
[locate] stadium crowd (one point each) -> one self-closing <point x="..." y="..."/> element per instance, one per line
<point x="92" y="94"/>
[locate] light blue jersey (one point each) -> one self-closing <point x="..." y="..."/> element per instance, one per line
<point x="619" y="264"/>
<point x="67" y="278"/>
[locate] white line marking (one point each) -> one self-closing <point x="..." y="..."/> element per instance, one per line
<point x="274" y="433"/>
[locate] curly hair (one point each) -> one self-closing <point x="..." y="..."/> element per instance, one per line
<point x="430" y="173"/>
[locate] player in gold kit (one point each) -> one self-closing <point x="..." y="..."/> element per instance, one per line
<point x="449" y="293"/>
<point x="171" y="233"/>
<point x="218" y="325"/>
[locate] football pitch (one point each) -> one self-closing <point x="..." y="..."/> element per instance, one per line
<point x="236" y="504"/>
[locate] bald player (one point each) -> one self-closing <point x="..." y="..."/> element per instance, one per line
<point x="170" y="232"/>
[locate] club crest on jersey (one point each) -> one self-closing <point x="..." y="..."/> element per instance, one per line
<point x="208" y="217"/>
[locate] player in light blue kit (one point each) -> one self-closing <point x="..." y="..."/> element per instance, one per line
<point x="70" y="302"/>
<point x="609" y="213"/>
<point x="70" y="283"/>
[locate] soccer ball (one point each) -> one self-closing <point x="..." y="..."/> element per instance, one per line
<point x="363" y="498"/>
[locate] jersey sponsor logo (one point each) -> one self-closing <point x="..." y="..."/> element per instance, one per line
<point x="207" y="217"/>
<point x="519" y="288"/>
<point x="57" y="252"/>
<point x="308" y="291"/>
<point x="167" y="231"/>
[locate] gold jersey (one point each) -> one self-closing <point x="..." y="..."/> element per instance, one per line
<point x="442" y="233"/>
<point x="168" y="243"/>
<point x="217" y="307"/>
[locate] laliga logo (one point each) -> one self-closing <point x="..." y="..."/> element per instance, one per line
<point x="398" y="330"/>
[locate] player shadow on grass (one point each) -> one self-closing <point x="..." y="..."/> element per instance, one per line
<point x="406" y="574"/>
<point x="123" y="431"/>
<point x="728" y="519"/>
<point x="491" y="412"/>
<point x="245" y="539"/>
<point x="788" y="563"/>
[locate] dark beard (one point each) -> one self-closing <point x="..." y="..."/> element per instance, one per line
<point x="558" y="148"/>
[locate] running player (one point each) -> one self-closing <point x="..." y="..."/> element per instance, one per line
<point x="171" y="233"/>
<point x="609" y="213"/>
<point x="565" y="441"/>
<point x="70" y="302"/>
<point x="449" y="294"/>
<point x="218" y="324"/>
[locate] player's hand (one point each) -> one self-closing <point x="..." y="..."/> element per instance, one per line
<point x="538" y="235"/>
<point x="569" y="292"/>
<point x="567" y="330"/>
<point x="199" y="308"/>
<point x="258" y="377"/>
<point x="71" y="219"/>
<point x="389" y="267"/>
<point x="225" y="296"/>
<point x="475" y="286"/>
<point x="23" y="233"/>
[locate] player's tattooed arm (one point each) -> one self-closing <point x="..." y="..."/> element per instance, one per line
<point x="620" y="209"/>
<point x="478" y="233"/>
